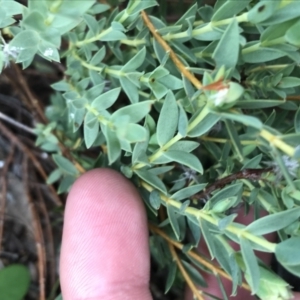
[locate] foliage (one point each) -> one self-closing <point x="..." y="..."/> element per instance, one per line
<point x="11" y="275"/>
<point x="198" y="149"/>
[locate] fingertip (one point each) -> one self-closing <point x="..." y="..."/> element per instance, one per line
<point x="105" y="237"/>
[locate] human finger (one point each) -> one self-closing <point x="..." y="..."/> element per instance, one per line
<point x="105" y="251"/>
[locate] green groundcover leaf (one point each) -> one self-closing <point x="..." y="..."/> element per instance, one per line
<point x="14" y="282"/>
<point x="274" y="222"/>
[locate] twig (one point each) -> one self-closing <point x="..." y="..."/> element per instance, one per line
<point x="195" y="256"/>
<point x="38" y="233"/>
<point x="31" y="100"/>
<point x="169" y="50"/>
<point x="251" y="174"/>
<point x="33" y="104"/>
<point x="15" y="123"/>
<point x="185" y="275"/>
<point x="26" y="151"/>
<point x="4" y="191"/>
<point x="48" y="232"/>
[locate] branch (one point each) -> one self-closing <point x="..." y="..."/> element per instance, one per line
<point x="195" y="255"/>
<point x="251" y="174"/>
<point x="185" y="275"/>
<point x="182" y="68"/>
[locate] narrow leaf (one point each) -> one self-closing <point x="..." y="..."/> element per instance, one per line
<point x="274" y="222"/>
<point x="252" y="268"/>
<point x="135" y="62"/>
<point x="152" y="179"/>
<point x="187" y="159"/>
<point x="173" y="218"/>
<point x="168" y="119"/>
<point x="188" y="191"/>
<point x="113" y="145"/>
<point x="136" y="112"/>
<point x="297" y="121"/>
<point x="287" y="252"/>
<point x="64" y="164"/>
<point x="227" y="52"/>
<point x="106" y="100"/>
<point x="171" y="276"/>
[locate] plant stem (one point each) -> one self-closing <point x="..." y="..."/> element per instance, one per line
<point x="175" y="139"/>
<point x="182" y="68"/>
<point x="195" y="255"/>
<point x="275" y="141"/>
<point x="185" y="275"/>
<point x="205" y="215"/>
<point x="94" y="38"/>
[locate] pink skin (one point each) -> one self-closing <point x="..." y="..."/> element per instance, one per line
<point x="105" y="253"/>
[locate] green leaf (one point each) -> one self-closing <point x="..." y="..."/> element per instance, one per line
<point x="274" y="222"/>
<point x="208" y="236"/>
<point x="90" y="133"/>
<point x="252" y="163"/>
<point x="297" y="121"/>
<point x="59" y="297"/>
<point x="188" y="192"/>
<point x="91" y="23"/>
<point x="246" y="120"/>
<point x="113" y="145"/>
<point x="224" y="204"/>
<point x="54" y="176"/>
<point x="252" y="268"/>
<point x="61" y="86"/>
<point x="135" y="62"/>
<point x="262" y="11"/>
<point x="98" y="57"/>
<point x="168" y="120"/>
<point x="106" y="100"/>
<point x="187" y="159"/>
<point x="229" y="8"/>
<point x="186" y="146"/>
<point x="283" y="13"/>
<point x="182" y="122"/>
<point x="151" y="179"/>
<point x="234" y="138"/>
<point x="35" y="21"/>
<point x="136" y="112"/>
<point x="224" y="222"/>
<point x="204" y="126"/>
<point x="135" y="7"/>
<point x="14" y="282"/>
<point x="130" y="89"/>
<point x="48" y="51"/>
<point x="112" y="35"/>
<point x="64" y="164"/>
<point x="261" y="55"/>
<point x="287" y="252"/>
<point x="229" y="191"/>
<point x="132" y="133"/>
<point x="258" y="103"/>
<point x="227" y="52"/>
<point x="171" y="276"/>
<point x="154" y="199"/>
<point x="25" y="39"/>
<point x="288" y="82"/>
<point x="292" y="35"/>
<point x="194" y="274"/>
<point x="173" y="218"/>
<point x="11" y="7"/>
<point x="194" y="227"/>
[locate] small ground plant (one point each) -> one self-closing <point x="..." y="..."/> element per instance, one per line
<point x="201" y="113"/>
